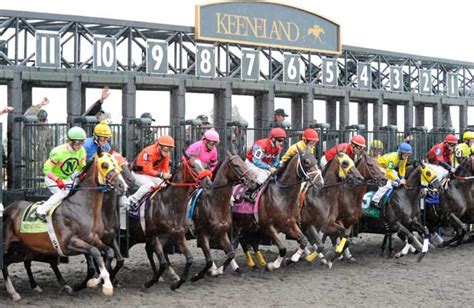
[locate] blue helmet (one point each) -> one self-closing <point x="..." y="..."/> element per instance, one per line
<point x="405" y="148"/>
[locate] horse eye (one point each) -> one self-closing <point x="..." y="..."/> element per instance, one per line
<point x="428" y="173"/>
<point x="104" y="165"/>
<point x="345" y="164"/>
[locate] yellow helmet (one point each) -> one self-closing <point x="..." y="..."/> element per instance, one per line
<point x="376" y="144"/>
<point x="468" y="135"/>
<point x="102" y="129"/>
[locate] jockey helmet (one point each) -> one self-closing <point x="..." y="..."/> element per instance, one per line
<point x="376" y="144"/>
<point x="278" y="133"/>
<point x="451" y="139"/>
<point x="211" y="135"/>
<point x="405" y="148"/>
<point x="358" y="140"/>
<point x="166" y="141"/>
<point x="468" y="135"/>
<point x="310" y="134"/>
<point x="76" y="133"/>
<point x="102" y="130"/>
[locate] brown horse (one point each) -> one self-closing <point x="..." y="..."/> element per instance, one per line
<point x="213" y="218"/>
<point x="456" y="204"/>
<point x="77" y="223"/>
<point x="402" y="213"/>
<point x="165" y="219"/>
<point x="320" y="210"/>
<point x="278" y="209"/>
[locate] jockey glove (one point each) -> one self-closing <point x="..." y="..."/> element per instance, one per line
<point x="61" y="184"/>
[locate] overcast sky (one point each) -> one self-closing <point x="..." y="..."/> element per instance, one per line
<point x="430" y="28"/>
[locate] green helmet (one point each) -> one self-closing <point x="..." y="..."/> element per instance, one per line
<point x="76" y="133"/>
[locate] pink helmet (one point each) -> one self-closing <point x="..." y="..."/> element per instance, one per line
<point x="211" y="135"/>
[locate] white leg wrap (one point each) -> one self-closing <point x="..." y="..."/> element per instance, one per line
<point x="412" y="249"/>
<point x="277" y="262"/>
<point x="426" y="243"/>
<point x="405" y="249"/>
<point x="347" y="253"/>
<point x="307" y="251"/>
<point x="234" y="265"/>
<point x="297" y="255"/>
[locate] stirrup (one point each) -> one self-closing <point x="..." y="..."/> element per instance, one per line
<point x="41" y="217"/>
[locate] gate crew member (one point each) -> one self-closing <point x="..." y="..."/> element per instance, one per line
<point x="64" y="161"/>
<point x="441" y="153"/>
<point x="152" y="168"/>
<point x="353" y="148"/>
<point x="205" y="149"/>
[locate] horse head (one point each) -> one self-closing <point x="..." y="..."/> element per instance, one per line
<point x="466" y="167"/>
<point x="124" y="168"/>
<point x="240" y="171"/>
<point x="308" y="169"/>
<point x="370" y="170"/>
<point x="108" y="173"/>
<point x="423" y="175"/>
<point x="346" y="169"/>
<point x="194" y="171"/>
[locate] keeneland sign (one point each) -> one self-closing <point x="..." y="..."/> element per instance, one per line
<point x="267" y="24"/>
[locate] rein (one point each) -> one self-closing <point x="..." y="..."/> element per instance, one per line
<point x="197" y="177"/>
<point x="307" y="176"/>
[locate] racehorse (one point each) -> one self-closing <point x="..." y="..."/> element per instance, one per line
<point x="165" y="221"/>
<point x="77" y="223"/>
<point x="456" y="204"/>
<point x="212" y="216"/>
<point x="278" y="207"/>
<point x="402" y="213"/>
<point x="320" y="210"/>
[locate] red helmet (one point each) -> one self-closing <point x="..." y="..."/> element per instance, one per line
<point x="278" y="133"/>
<point x="358" y="140"/>
<point x="311" y="135"/>
<point x="451" y="139"/>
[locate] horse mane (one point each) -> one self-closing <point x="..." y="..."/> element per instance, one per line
<point x="81" y="176"/>
<point x="216" y="169"/>
<point x="285" y="165"/>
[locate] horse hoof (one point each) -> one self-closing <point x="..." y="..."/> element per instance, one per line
<point x="149" y="284"/>
<point x="38" y="289"/>
<point x="93" y="282"/>
<point x="175" y="285"/>
<point x="108" y="291"/>
<point x="67" y="289"/>
<point x="16" y="297"/>
<point x="329" y="264"/>
<point x="161" y="279"/>
<point x="421" y="256"/>
<point x="270" y="267"/>
<point x="194" y="278"/>
<point x="398" y="255"/>
<point x="238" y="271"/>
<point x="289" y="261"/>
<point x="352" y="260"/>
<point x="220" y="271"/>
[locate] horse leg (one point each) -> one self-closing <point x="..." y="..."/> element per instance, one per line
<point x="158" y="249"/>
<point x="31" y="278"/>
<point x="423" y="231"/>
<point x="281" y="249"/>
<point x="203" y="241"/>
<point x="90" y="273"/>
<point x="455" y="241"/>
<point x="119" y="261"/>
<point x="248" y="255"/>
<point x="81" y="246"/>
<point x="384" y="244"/>
<point x="347" y="252"/>
<point x="183" y="246"/>
<point x="311" y="254"/>
<point x="313" y="237"/>
<point x="258" y="253"/>
<point x="9" y="285"/>
<point x="54" y="266"/>
<point x="230" y="254"/>
<point x="108" y="257"/>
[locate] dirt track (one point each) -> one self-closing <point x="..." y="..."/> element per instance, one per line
<point x="443" y="278"/>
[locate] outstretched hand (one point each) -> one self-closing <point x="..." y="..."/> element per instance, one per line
<point x="44" y="102"/>
<point x="105" y="93"/>
<point x="6" y="109"/>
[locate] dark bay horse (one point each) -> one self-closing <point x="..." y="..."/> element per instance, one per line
<point x="456" y="204"/>
<point x="402" y="213"/>
<point x="212" y="216"/>
<point x="165" y="218"/>
<point x="77" y="223"/>
<point x="279" y="209"/>
<point x="320" y="208"/>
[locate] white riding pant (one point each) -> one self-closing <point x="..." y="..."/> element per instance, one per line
<point x="146" y="183"/>
<point x="58" y="195"/>
<point x="262" y="174"/>
<point x="382" y="191"/>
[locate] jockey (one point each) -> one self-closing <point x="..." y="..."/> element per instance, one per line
<point x="351" y="149"/>
<point x="59" y="170"/>
<point x="376" y="148"/>
<point x="205" y="148"/>
<point x="263" y="157"/>
<point x="391" y="163"/>
<point x="310" y="138"/>
<point x="441" y="153"/>
<point x="102" y="134"/>
<point x="151" y="168"/>
<point x="463" y="150"/>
